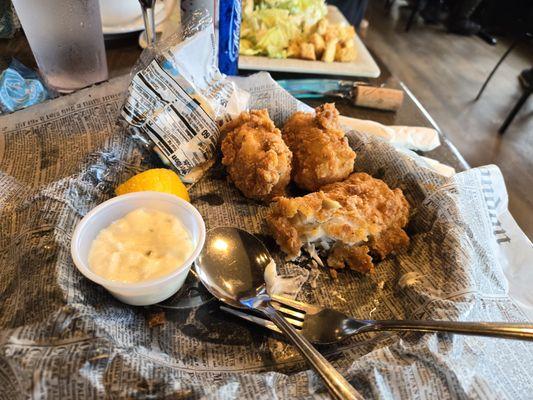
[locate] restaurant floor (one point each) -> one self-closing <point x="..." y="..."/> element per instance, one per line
<point x="445" y="72"/>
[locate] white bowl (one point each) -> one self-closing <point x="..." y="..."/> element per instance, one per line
<point x="119" y="12"/>
<point x="141" y="293"/>
<point x="124" y="16"/>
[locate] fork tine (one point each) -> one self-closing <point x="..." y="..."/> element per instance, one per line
<point x="262" y="321"/>
<point x="296" y="323"/>
<point x="288" y="311"/>
<point x="252" y="318"/>
<point x="298" y="305"/>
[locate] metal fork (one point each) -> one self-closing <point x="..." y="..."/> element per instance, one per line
<point x="327" y="326"/>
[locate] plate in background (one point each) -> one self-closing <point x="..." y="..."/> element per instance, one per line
<point x="363" y="66"/>
<point x="134" y="21"/>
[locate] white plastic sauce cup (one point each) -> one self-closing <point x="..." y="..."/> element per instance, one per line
<point x="141" y="293"/>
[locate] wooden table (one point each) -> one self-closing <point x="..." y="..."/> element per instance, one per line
<point x="123" y="52"/>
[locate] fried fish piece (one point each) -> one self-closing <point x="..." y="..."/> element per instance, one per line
<point x="321" y="153"/>
<point x="257" y="159"/>
<point x="356" y="219"/>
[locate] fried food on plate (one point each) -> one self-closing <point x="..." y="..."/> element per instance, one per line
<point x="307" y="51"/>
<point x="334" y="42"/>
<point x="321" y="153"/>
<point x="330" y="50"/>
<point x="345" y="53"/>
<point x="257" y="159"/>
<point x="323" y="41"/>
<point x="357" y="219"/>
<point x="294" y="49"/>
<point x="319" y="43"/>
<point x="322" y="26"/>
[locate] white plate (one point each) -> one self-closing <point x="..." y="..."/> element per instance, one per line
<point x="162" y="10"/>
<point x="363" y="66"/>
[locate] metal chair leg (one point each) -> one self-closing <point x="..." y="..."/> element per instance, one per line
<point x="416" y="9"/>
<point x="514" y="111"/>
<point x="503" y="57"/>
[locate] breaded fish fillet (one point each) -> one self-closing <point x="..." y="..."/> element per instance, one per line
<point x="256" y="157"/>
<point x="321" y="153"/>
<point x="356" y="219"/>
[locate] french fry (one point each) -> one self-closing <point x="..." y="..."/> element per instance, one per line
<point x="329" y="52"/>
<point x="346" y="54"/>
<point x="308" y="29"/>
<point x="319" y="44"/>
<point x="294" y="49"/>
<point x="332" y="32"/>
<point x="307" y="51"/>
<point x="322" y="26"/>
<point x="338" y="50"/>
<point x="348" y="43"/>
<point x="346" y="32"/>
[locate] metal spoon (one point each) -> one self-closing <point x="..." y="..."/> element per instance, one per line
<point x="148" y="7"/>
<point x="231" y="266"/>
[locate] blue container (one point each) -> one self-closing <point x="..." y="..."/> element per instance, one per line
<point x="229" y="32"/>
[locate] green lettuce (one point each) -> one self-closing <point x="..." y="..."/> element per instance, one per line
<point x="268" y="26"/>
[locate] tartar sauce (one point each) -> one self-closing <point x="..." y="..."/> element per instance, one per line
<point x="144" y="245"/>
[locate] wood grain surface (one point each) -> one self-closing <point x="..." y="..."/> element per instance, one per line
<point x="445" y="72"/>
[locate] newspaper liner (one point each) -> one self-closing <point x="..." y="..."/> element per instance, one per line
<point x="62" y="335"/>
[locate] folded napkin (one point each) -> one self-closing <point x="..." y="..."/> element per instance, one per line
<point x="409" y="137"/>
<point x="405" y="139"/>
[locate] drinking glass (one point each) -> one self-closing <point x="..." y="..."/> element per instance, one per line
<point x="66" y="39"/>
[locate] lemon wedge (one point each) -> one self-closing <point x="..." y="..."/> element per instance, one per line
<point x="157" y="180"/>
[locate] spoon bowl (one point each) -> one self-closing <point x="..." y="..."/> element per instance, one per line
<point x="232" y="265"/>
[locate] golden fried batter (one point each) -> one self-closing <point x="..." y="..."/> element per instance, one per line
<point x="321" y="153"/>
<point x="357" y="217"/>
<point x="257" y="159"/>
